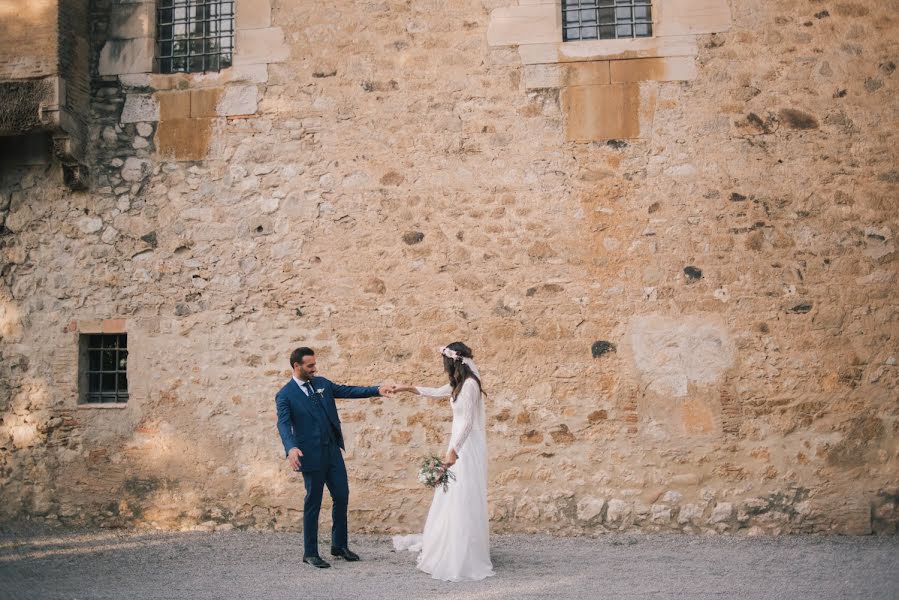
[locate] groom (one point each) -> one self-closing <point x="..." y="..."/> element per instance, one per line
<point x="310" y="431"/>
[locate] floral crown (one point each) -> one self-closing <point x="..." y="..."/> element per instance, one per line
<point x="453" y="355"/>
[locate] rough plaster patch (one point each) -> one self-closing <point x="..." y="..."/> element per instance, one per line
<point x="671" y="352"/>
<point x="238" y="100"/>
<point x="140" y="108"/>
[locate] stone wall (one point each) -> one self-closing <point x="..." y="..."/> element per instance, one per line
<point x="29" y="34"/>
<point x="692" y="329"/>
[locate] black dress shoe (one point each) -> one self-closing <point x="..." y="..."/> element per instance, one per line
<point x="346" y="553"/>
<point x="315" y="561"/>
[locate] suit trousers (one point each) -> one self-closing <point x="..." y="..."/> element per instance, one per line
<point x="333" y="475"/>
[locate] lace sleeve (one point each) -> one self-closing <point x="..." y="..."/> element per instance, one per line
<point x="469" y="396"/>
<point x="441" y="392"/>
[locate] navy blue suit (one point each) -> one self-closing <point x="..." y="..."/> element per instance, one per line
<point x="313" y="425"/>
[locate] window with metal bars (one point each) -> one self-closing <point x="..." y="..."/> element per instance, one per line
<point x="194" y="36"/>
<point x="104" y="368"/>
<point x="606" y="19"/>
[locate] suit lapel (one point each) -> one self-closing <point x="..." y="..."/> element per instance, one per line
<point x="302" y="399"/>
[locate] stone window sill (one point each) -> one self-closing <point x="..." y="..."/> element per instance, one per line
<point x="107" y="405"/>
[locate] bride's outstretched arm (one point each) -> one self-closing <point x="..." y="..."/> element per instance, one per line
<point x="440" y="392"/>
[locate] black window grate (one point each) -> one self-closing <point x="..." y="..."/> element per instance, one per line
<point x="106" y="375"/>
<point x="606" y="19"/>
<point x="194" y="36"/>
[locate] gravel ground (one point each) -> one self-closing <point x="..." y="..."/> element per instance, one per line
<point x="133" y="566"/>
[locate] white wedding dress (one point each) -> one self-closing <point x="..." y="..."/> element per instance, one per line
<point x="455" y="545"/>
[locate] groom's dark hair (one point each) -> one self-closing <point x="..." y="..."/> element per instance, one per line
<point x="297" y="355"/>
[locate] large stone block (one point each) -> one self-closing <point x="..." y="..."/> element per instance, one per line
<point x="683" y="17"/>
<point x="259" y="46"/>
<point x="586" y="73"/>
<point x="184" y="139"/>
<point x="121" y="57"/>
<point x="174" y="105"/>
<point x="203" y="102"/>
<point x="531" y="24"/>
<point x="140" y="108"/>
<point x="129" y="21"/>
<point x="238" y="100"/>
<point x="604" y="112"/>
<point x="253" y="14"/>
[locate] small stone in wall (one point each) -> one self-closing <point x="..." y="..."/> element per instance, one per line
<point x="144" y="129"/>
<point x="692" y="274"/>
<point x="796" y="119"/>
<point x="589" y="509"/>
<point x="801" y="308"/>
<point x="135" y="169"/>
<point x="109" y="235"/>
<point x="618" y="510"/>
<point x="139" y="143"/>
<point x="873" y="84"/>
<point x="149" y="239"/>
<point x="413" y="237"/>
<point x="601" y="347"/>
<point x="88" y="224"/>
<point x="531" y="437"/>
<point x="598" y="415"/>
<point x="375" y="286"/>
<point x="109" y="135"/>
<point x="722" y="513"/>
<point x="562" y="435"/>
<point x="392" y="178"/>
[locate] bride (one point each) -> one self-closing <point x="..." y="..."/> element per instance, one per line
<point x="455" y="545"/>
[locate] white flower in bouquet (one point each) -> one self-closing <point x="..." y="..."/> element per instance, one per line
<point x="434" y="473"/>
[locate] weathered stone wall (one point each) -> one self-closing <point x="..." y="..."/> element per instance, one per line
<point x="692" y="330"/>
<point x="29" y="34"/>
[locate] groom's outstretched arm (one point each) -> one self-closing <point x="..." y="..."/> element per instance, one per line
<point x="355" y="391"/>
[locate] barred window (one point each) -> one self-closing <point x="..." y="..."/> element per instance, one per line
<point x="104" y="368"/>
<point x="606" y="19"/>
<point x="194" y="36"/>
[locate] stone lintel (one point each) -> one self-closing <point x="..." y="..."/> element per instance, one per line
<point x="530" y="24"/>
<point x="99" y="326"/>
<point x="591" y="50"/>
<point x="672" y="68"/>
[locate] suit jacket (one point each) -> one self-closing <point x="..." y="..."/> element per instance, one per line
<point x="297" y="424"/>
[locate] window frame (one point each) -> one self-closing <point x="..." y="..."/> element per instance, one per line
<point x="173" y="14"/>
<point x="612" y="5"/>
<point x="100" y="345"/>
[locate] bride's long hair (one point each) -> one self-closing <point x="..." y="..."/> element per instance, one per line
<point x="457" y="370"/>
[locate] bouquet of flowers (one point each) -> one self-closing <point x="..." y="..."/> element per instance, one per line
<point x="434" y="473"/>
